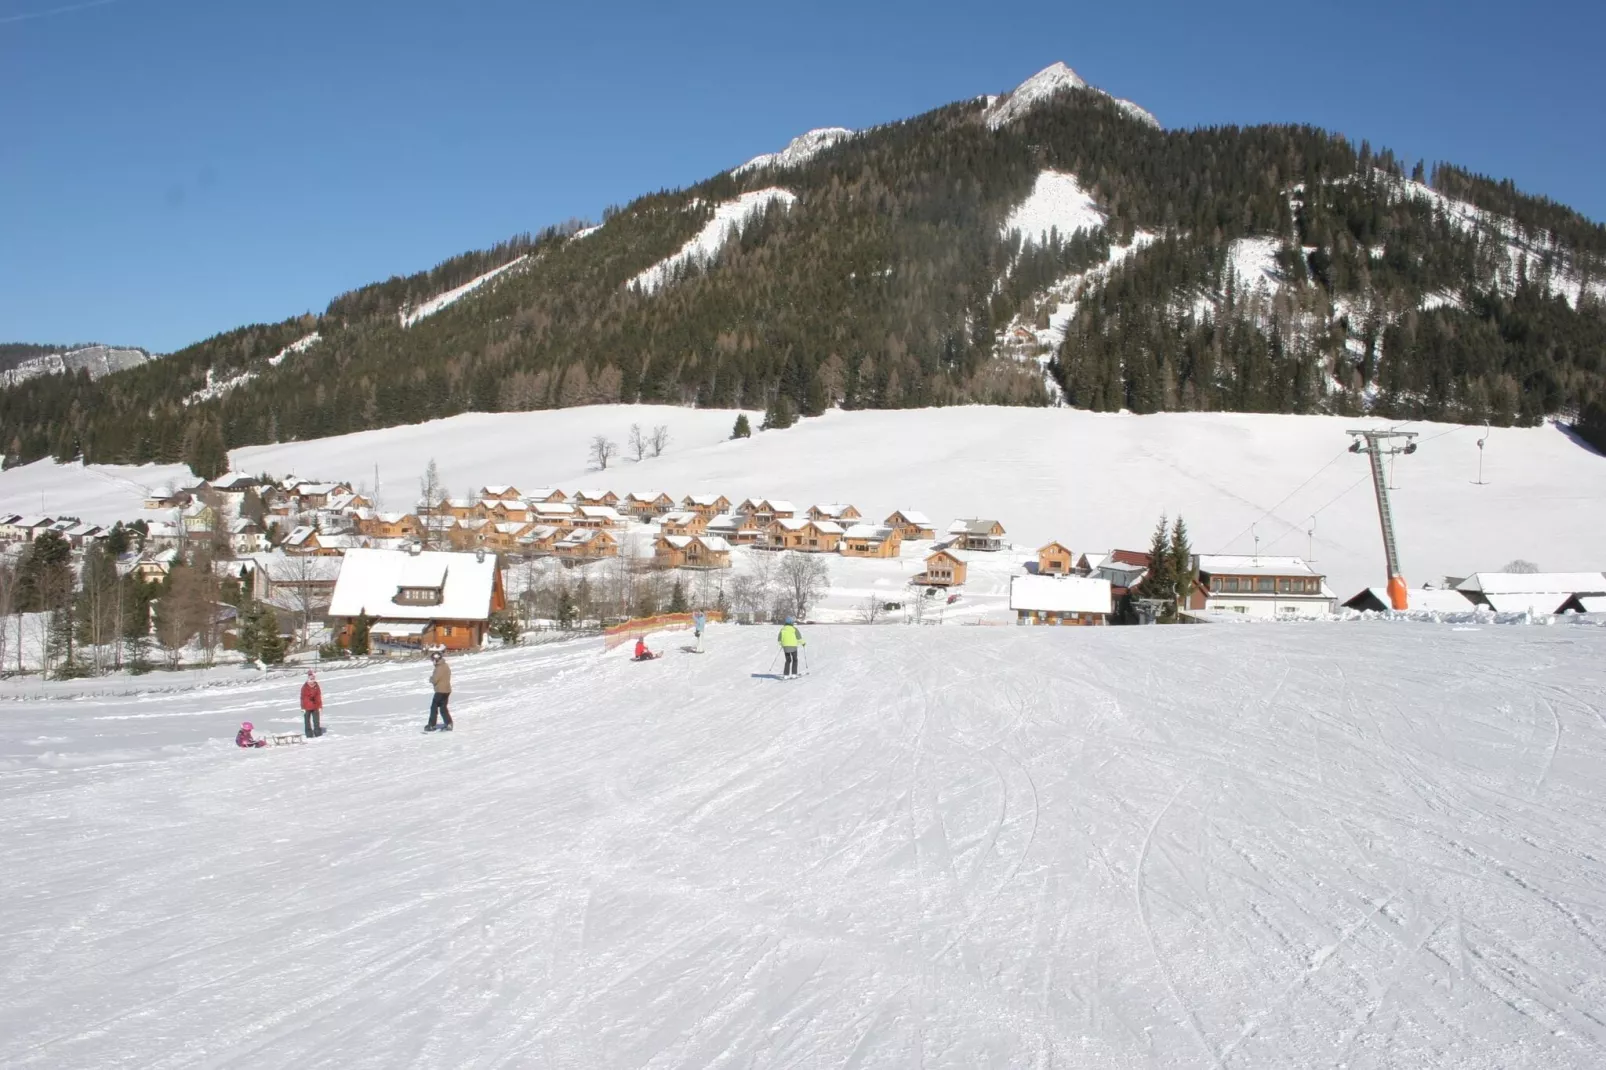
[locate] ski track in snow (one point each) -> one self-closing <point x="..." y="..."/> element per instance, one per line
<point x="1245" y="847"/>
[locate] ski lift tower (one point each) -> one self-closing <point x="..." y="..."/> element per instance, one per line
<point x="1380" y="444"/>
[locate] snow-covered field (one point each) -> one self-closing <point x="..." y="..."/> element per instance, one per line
<point x="1090" y="480"/>
<point x="1358" y="845"/>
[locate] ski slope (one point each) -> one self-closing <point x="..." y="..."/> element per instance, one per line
<point x="1090" y="480"/>
<point x="1359" y="845"/>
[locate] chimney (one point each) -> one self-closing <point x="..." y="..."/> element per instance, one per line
<point x="479" y="555"/>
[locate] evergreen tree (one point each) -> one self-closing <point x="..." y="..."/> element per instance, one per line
<point x="505" y="626"/>
<point x="1159" y="582"/>
<point x="677" y="597"/>
<point x="361" y="634"/>
<point x="1182" y="566"/>
<point x="742" y="429"/>
<point x="270" y="643"/>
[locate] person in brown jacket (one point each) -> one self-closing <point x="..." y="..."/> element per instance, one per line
<point x="440" y="678"/>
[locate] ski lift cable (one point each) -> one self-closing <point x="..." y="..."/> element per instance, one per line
<point x="1332" y="502"/>
<point x="1336" y="457"/>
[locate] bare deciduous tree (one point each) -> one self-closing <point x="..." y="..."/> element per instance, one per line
<point x="870" y="610"/>
<point x="804" y="578"/>
<point x="603" y="450"/>
<point x="638" y="442"/>
<point x="659" y="440"/>
<point x="431" y="493"/>
<point x="1521" y="567"/>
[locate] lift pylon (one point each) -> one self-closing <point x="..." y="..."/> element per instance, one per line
<point x="1380" y="444"/>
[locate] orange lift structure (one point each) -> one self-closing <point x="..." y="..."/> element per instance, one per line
<point x="1380" y="444"/>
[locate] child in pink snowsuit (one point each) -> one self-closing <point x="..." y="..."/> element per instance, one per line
<point x="242" y="738"/>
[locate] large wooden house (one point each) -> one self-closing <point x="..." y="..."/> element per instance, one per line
<point x="460" y="508"/>
<point x="762" y="511"/>
<point x="647" y="503"/>
<point x="838" y="513"/>
<point x="683" y="523"/>
<point x="1260" y="586"/>
<point x="598" y="516"/>
<point x="943" y="568"/>
<point x="691" y="551"/>
<point x="738" y="529"/>
<point x="1055" y="559"/>
<point x="546" y="494"/>
<point x="586" y="544"/>
<point x="592" y="496"/>
<point x="871" y="540"/>
<point x="911" y="525"/>
<point x="977" y="534"/>
<point x="422" y="599"/>
<point x="539" y="540"/>
<point x="1058" y="599"/>
<point x="805" y="536"/>
<point x="500" y="493"/>
<point x="389" y="525"/>
<point x="553" y="512"/>
<point x="708" y="505"/>
<point x="503" y="510"/>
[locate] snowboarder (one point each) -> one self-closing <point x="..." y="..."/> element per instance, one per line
<point x="642" y="653"/>
<point x="243" y="738"/>
<point x="699" y="620"/>
<point x="440" y="678"/>
<point x="312" y="706"/>
<point x="790" y="639"/>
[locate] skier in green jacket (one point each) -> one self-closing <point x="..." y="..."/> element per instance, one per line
<point x="791" y="639"/>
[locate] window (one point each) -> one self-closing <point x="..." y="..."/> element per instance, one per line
<point x="1286" y="586"/>
<point x="1264" y="585"/>
<point x="1232" y="585"/>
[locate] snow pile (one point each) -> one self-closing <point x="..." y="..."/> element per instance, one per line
<point x="729" y="217"/>
<point x="1046" y="84"/>
<point x="799" y="150"/>
<point x="294" y="347"/>
<point x="1057" y="204"/>
<point x="408" y="317"/>
<point x="1344" y="845"/>
<point x="98" y="360"/>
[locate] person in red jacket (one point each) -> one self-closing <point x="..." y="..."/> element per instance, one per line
<point x="642" y="653"/>
<point x="242" y="738"/>
<point x="312" y="705"/>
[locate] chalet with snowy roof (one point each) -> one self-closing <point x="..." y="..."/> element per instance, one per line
<point x="552" y="512"/>
<point x="647" y="503"/>
<point x="598" y="516"/>
<point x="1533" y="592"/>
<point x="803" y="535"/>
<point x="464" y="534"/>
<point x="586" y="544"/>
<point x="738" y="529"/>
<point x="912" y="525"/>
<point x="302" y="540"/>
<point x="546" y="494"/>
<point x="199" y="518"/>
<point x="246" y="536"/>
<point x="708" y="505"/>
<point x="976" y="534"/>
<point x="163" y="534"/>
<point x="389" y="525"/>
<point x="294" y="582"/>
<point x="539" y="540"/>
<point x="502" y="510"/>
<point x="460" y="508"/>
<point x="943" y="568"/>
<point x="593" y="496"/>
<point x="683" y="522"/>
<point x="502" y="537"/>
<point x="423" y="599"/>
<point x="1060" y="600"/>
<point x="163" y="497"/>
<point x="762" y="511"/>
<point x="838" y="513"/>
<point x="80" y="534"/>
<point x="871" y="540"/>
<point x="25" y="528"/>
<point x="152" y="566"/>
<point x="1260" y="586"/>
<point x="501" y="493"/>
<point x="1055" y="559"/>
<point x="317" y="495"/>
<point x="691" y="551"/>
<point x="1419" y="600"/>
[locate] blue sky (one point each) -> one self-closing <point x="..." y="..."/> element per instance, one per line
<point x="173" y="168"/>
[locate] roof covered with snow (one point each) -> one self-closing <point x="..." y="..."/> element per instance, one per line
<point x="370" y="580"/>
<point x="1251" y="565"/>
<point x="913" y="517"/>
<point x="1564" y="583"/>
<point x="1059" y="594"/>
<point x="873" y="532"/>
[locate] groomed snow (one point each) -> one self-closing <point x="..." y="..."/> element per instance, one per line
<point x="729" y="217"/>
<point x="408" y="317"/>
<point x="1093" y="481"/>
<point x="799" y="150"/>
<point x="1057" y="203"/>
<point x="1366" y="844"/>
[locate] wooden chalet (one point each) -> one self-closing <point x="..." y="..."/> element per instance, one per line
<point x="683" y="522"/>
<point x="306" y="540"/>
<point x="708" y="505"/>
<point x="943" y="568"/>
<point x="738" y="529"/>
<point x="546" y="494"/>
<point x="762" y="511"/>
<point x="586" y="544"/>
<point x="1060" y="599"/>
<point x="460" y="508"/>
<point x="539" y="540"/>
<point x="503" y="537"/>
<point x="502" y="510"/>
<point x="418" y="600"/>
<point x="836" y="512"/>
<point x="977" y="534"/>
<point x="500" y="493"/>
<point x="1259" y="586"/>
<point x="553" y="513"/>
<point x="804" y="536"/>
<point x="1055" y="559"/>
<point x="911" y="525"/>
<point x="871" y="540"/>
<point x="691" y="551"/>
<point x="597" y="516"/>
<point x="647" y="503"/>
<point x="593" y="497"/>
<point x="389" y="525"/>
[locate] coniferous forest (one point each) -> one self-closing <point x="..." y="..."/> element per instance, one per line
<point x="891" y="283"/>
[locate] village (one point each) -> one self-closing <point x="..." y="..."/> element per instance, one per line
<point x="337" y="574"/>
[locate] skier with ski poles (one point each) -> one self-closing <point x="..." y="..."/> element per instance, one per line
<point x="699" y="620"/>
<point x="440" y="678"/>
<point x="790" y="639"/>
<point x="312" y="706"/>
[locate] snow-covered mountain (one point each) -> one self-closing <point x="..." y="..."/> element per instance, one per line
<point x="799" y="150"/>
<point x="97" y="360"/>
<point x="1042" y="87"/>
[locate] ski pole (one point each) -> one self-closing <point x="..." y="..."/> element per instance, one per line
<point x="777" y="657"/>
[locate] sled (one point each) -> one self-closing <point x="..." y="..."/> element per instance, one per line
<point x="286" y="738"/>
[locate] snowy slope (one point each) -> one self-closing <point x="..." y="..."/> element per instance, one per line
<point x="1047" y="83"/>
<point x="1355" y="845"/>
<point x="729" y="217"/>
<point x="1253" y="262"/>
<point x="1057" y="204"/>
<point x="1091" y="480"/>
<point x="216" y="388"/>
<point x="408" y="317"/>
<point x="799" y="150"/>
